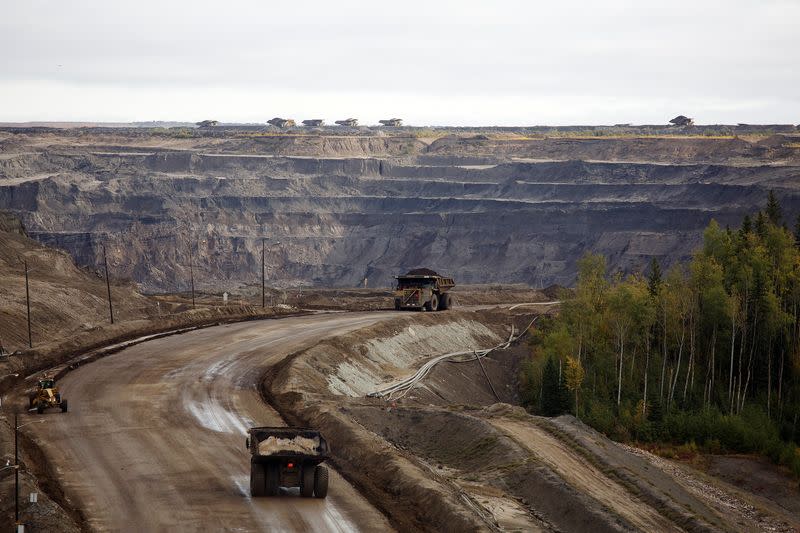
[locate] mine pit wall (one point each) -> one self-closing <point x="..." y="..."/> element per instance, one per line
<point x="479" y="218"/>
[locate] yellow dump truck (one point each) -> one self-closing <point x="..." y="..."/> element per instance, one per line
<point x="424" y="290"/>
<point x="287" y="457"/>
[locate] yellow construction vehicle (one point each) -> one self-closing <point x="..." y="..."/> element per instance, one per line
<point x="46" y="395"/>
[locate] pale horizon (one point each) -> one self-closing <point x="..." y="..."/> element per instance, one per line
<point x="447" y="64"/>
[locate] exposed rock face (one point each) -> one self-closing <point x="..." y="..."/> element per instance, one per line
<point x="464" y="207"/>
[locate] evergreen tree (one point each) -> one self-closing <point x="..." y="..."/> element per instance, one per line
<point x="774" y="213"/>
<point x="655" y="411"/>
<point x="761" y="225"/>
<point x="797" y="231"/>
<point x="552" y="397"/>
<point x="654" y="279"/>
<point x="747" y="226"/>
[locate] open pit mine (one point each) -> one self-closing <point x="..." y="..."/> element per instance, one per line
<point x="332" y="209"/>
<point x="178" y="287"/>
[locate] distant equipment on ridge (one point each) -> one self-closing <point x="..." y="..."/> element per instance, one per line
<point x="393" y="122"/>
<point x="282" y="122"/>
<point x="349" y="122"/>
<point x="681" y="120"/>
<point x="314" y="122"/>
<point x="207" y="123"/>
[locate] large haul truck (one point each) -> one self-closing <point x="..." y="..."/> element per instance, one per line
<point x="423" y="290"/>
<point x="287" y="457"/>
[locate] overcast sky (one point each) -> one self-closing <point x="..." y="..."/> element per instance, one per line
<point x="431" y="63"/>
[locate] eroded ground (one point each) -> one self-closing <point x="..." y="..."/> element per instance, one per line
<point x="485" y="465"/>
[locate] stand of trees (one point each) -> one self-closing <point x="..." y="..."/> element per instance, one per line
<point x="708" y="352"/>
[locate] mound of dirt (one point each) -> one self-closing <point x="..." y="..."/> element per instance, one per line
<point x="64" y="299"/>
<point x="421" y="272"/>
<point x="555" y="291"/>
<point x="468" y="449"/>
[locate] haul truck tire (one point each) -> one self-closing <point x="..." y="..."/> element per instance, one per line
<point x="433" y="303"/>
<point x="257" y="480"/>
<point x="446" y="302"/>
<point x="273" y="478"/>
<point x="63" y="406"/>
<point x="307" y="481"/>
<point x="320" y="482"/>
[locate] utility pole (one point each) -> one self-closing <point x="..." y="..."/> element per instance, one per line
<point x="263" y="276"/>
<point x="108" y="286"/>
<point x="16" y="470"/>
<point x="28" y="301"/>
<point x="191" y="271"/>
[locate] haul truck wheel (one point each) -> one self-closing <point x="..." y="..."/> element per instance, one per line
<point x="320" y="482"/>
<point x="273" y="478"/>
<point x="307" y="482"/>
<point x="256" y="480"/>
<point x="40" y="408"/>
<point x="63" y="406"/>
<point x="433" y="303"/>
<point x="444" y="303"/>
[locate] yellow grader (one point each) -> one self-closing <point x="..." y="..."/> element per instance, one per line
<point x="46" y="396"/>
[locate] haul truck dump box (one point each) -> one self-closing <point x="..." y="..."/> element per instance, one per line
<point x="287" y="457"/>
<point x="424" y="290"/>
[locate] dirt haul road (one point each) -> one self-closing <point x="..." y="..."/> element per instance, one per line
<point x="154" y="438"/>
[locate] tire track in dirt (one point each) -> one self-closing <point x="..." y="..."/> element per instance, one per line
<point x="134" y="456"/>
<point x="584" y="476"/>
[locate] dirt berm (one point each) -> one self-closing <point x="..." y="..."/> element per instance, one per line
<point x="449" y="457"/>
<point x="426" y="466"/>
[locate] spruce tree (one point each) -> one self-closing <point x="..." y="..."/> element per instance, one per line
<point x="747" y="225"/>
<point x="773" y="210"/>
<point x="761" y="225"/>
<point x="654" y="279"/>
<point x="655" y="411"/>
<point x="797" y="231"/>
<point x="551" y="390"/>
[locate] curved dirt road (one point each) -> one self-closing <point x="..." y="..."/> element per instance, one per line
<point x="154" y="439"/>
